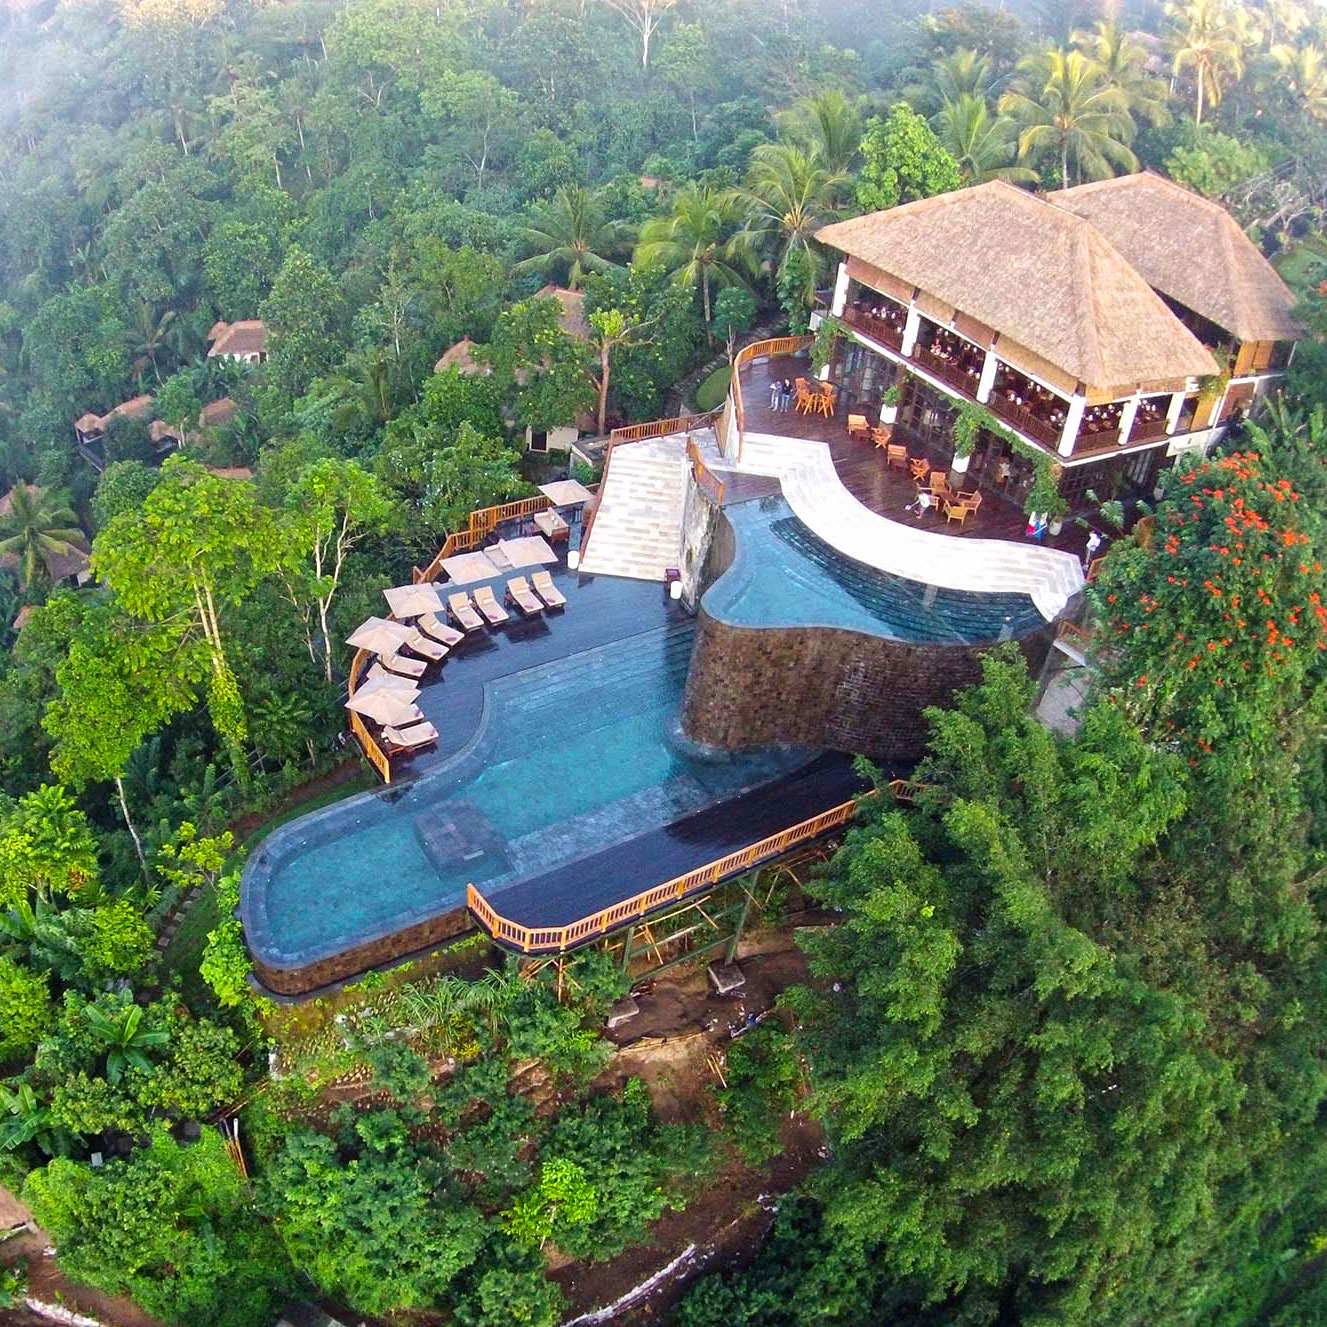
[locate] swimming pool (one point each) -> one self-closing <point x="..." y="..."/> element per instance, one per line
<point x="570" y="757"/>
<point x="782" y="575"/>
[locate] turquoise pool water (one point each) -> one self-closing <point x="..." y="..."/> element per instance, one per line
<point x="782" y="575"/>
<point x="571" y="756"/>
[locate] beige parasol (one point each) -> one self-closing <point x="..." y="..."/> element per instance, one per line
<point x="414" y="600"/>
<point x="379" y="636"/>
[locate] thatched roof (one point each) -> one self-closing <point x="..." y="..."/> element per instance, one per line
<point x="243" y="338"/>
<point x="573" y="320"/>
<point x="137" y="407"/>
<point x="7" y="499"/>
<point x="1192" y="250"/>
<point x="89" y="423"/>
<point x="1039" y="276"/>
<point x="461" y="358"/>
<point x="217" y="413"/>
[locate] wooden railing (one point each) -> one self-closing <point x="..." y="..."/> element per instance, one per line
<point x="1023" y="420"/>
<point x="779" y="345"/>
<point x="377" y="756"/>
<point x="708" y="482"/>
<point x="1104" y="440"/>
<point x="878" y="329"/>
<point x="661" y="428"/>
<point x="555" y="939"/>
<point x="947" y="371"/>
<point x="481" y="524"/>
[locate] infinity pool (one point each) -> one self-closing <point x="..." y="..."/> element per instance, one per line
<point x="782" y="575"/>
<point x="570" y="757"/>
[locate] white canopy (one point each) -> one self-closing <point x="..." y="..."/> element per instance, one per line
<point x="414" y="600"/>
<point x="379" y="635"/>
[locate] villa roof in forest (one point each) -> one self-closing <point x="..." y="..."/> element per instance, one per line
<point x="248" y="337"/>
<point x="1039" y="275"/>
<point x="1192" y="250"/>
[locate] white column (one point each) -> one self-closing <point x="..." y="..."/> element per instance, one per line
<point x="1072" y="422"/>
<point x="840" y="292"/>
<point x="1173" y="414"/>
<point x="990" y="367"/>
<point x="911" y="329"/>
<point x="1127" y="417"/>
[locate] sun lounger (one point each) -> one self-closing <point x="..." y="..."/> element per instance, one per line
<point x="430" y="649"/>
<point x="400" y="663"/>
<point x="439" y="630"/>
<point x="410" y="739"/>
<point x="547" y="591"/>
<point x="487" y="603"/>
<point x="519" y="593"/>
<point x="463" y="611"/>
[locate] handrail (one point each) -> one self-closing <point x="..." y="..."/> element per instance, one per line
<point x="778" y="345"/>
<point x="530" y="939"/>
<point x="377" y="756"/>
<point x="479" y="526"/>
<point x="709" y="483"/>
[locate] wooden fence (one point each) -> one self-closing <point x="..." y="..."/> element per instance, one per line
<point x="377" y="756"/>
<point x="555" y="939"/>
<point x="778" y="345"/>
<point x="481" y="524"/>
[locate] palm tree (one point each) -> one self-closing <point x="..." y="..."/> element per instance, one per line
<point x="1204" y="37"/>
<point x="1302" y="73"/>
<point x="984" y="145"/>
<point x="151" y="335"/>
<point x="569" y="234"/>
<point x="38" y="527"/>
<point x="696" y="242"/>
<point x="1122" y="62"/>
<point x="964" y="73"/>
<point x="1066" y="108"/>
<point x="788" y="196"/>
<point x="124" y="1037"/>
<point x="827" y="126"/>
<point x="366" y="392"/>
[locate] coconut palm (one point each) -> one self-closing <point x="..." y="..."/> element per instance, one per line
<point x="1205" y="38"/>
<point x="1302" y="74"/>
<point x="1066" y="108"/>
<point x="1123" y="64"/>
<point x="696" y="243"/>
<point x="569" y="235"/>
<point x="788" y="196"/>
<point x="964" y="73"/>
<point x="984" y="145"/>
<point x="827" y="126"/>
<point x="38" y="527"/>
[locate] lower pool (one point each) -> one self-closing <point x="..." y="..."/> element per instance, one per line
<point x="570" y="757"/>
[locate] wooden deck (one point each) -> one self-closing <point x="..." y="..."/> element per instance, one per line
<point x="861" y="465"/>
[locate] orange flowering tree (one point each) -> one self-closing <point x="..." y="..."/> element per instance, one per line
<point x="1218" y="628"/>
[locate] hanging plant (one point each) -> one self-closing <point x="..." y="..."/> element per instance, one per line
<point x="968" y="425"/>
<point x="1044" y="494"/>
<point x="828" y="336"/>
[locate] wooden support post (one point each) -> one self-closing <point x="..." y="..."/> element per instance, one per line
<point x="626" y="947"/>
<point x="731" y="952"/>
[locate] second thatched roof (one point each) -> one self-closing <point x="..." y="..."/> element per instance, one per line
<point x="1037" y="274"/>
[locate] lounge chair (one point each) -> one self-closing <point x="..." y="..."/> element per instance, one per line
<point x="519" y="593"/>
<point x="412" y="738"/>
<point x="896" y="454"/>
<point x="400" y="663"/>
<point x="430" y="649"/>
<point x="439" y="630"/>
<point x="460" y="607"/>
<point x="547" y="591"/>
<point x="487" y="603"/>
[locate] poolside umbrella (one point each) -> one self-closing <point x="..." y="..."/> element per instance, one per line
<point x="531" y="551"/>
<point x="393" y="682"/>
<point x="467" y="568"/>
<point x="413" y="600"/>
<point x="379" y="636"/>
<point x="382" y="706"/>
<point x="566" y="493"/>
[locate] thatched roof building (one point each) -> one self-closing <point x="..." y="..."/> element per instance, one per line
<point x="461" y="358"/>
<point x="1192" y="250"/>
<point x="572" y="320"/>
<point x="242" y="340"/>
<point x="1066" y="305"/>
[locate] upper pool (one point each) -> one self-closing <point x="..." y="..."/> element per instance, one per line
<point x="569" y="757"/>
<point x="782" y="575"/>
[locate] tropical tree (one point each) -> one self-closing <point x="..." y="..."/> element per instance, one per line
<point x="827" y="126"/>
<point x="983" y="145"/>
<point x="38" y="527"/>
<point x="1122" y="62"/>
<point x="120" y="1032"/>
<point x="1069" y="111"/>
<point x="963" y="73"/>
<point x="1302" y="75"/>
<point x="788" y="196"/>
<point x="569" y="235"/>
<point x="902" y="161"/>
<point x="1204" y="37"/>
<point x="696" y="244"/>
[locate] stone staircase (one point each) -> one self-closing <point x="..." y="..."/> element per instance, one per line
<point x="637" y="531"/>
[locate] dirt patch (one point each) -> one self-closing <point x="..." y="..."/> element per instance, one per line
<point x="669" y="1045"/>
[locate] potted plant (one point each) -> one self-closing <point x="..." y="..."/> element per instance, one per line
<point x="889" y="405"/>
<point x="828" y="335"/>
<point x="1043" y="495"/>
<point x="968" y="424"/>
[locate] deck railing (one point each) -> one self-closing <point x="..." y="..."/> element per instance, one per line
<point x="779" y="345"/>
<point x="480" y="525"/>
<point x="1023" y="420"/>
<point x="555" y="939"/>
<point x="878" y="329"/>
<point x="708" y="482"/>
<point x="377" y="756"/>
